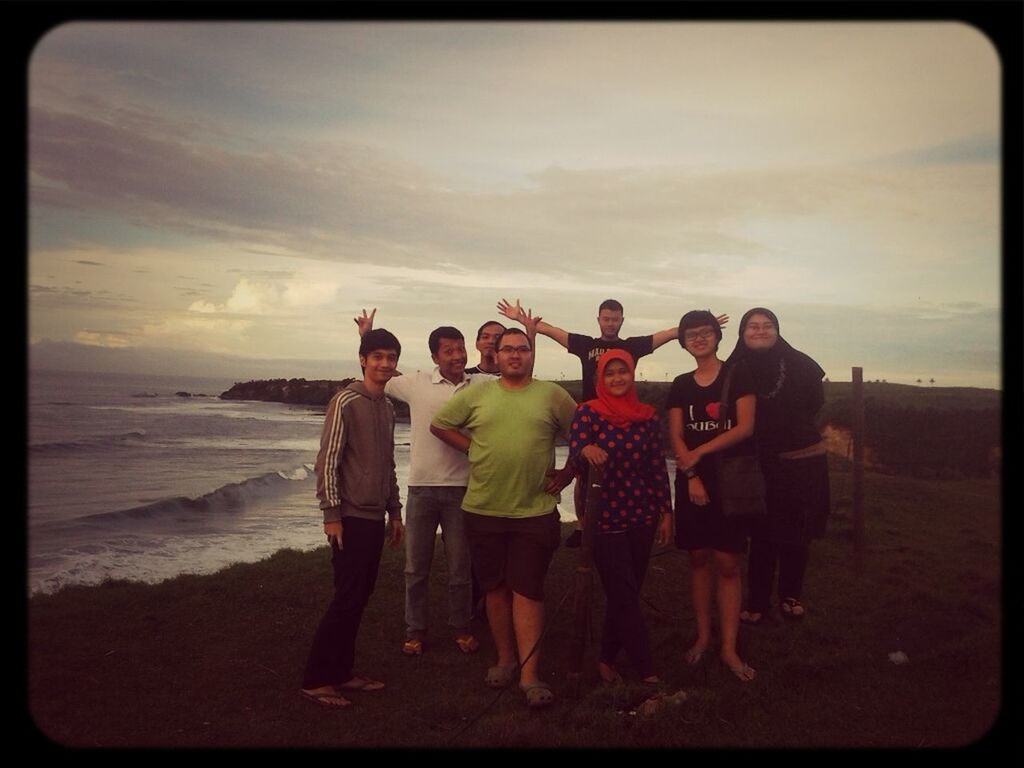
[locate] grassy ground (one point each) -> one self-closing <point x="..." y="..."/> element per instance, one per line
<point x="215" y="661"/>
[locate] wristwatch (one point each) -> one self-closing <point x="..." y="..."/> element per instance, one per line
<point x="691" y="472"/>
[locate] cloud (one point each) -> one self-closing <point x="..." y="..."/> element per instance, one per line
<point x="103" y="339"/>
<point x="264" y="296"/>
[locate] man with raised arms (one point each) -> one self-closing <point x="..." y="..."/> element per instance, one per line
<point x="511" y="519"/>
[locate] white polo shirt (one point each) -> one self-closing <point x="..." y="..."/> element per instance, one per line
<point x="432" y="462"/>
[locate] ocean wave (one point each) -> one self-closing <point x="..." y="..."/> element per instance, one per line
<point x="131" y="439"/>
<point x="228" y="498"/>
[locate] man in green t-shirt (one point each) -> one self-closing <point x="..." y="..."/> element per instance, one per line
<point x="511" y="520"/>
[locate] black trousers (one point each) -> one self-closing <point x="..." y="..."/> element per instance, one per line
<point x="621" y="560"/>
<point x="765" y="554"/>
<point x="355" y="574"/>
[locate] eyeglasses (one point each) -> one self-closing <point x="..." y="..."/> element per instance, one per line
<point x="510" y="350"/>
<point x="704" y="334"/>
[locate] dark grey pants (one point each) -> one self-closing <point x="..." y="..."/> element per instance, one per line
<point x="621" y="560"/>
<point x="355" y="574"/>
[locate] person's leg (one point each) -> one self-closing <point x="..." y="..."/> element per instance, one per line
<point x="729" y="595"/>
<point x="421" y="520"/>
<point x="456" y="550"/>
<point x="499" y="617"/>
<point x="608" y="552"/>
<point x="792" y="566"/>
<point x="760" y="572"/>
<point x="528" y="623"/>
<point x="332" y="654"/>
<point x="700" y="586"/>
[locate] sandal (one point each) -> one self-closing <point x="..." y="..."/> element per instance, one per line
<point x="361" y="684"/>
<point x="500" y="676"/>
<point x="695" y="655"/>
<point x="792" y="608"/>
<point x="328" y="699"/>
<point x="538" y="695"/>
<point x="754" y="618"/>
<point x="744" y="672"/>
<point x="467" y="644"/>
<point x="412" y="647"/>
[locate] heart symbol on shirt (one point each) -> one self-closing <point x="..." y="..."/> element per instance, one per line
<point x="714" y="410"/>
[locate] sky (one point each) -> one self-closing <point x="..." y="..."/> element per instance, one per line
<point x="223" y="198"/>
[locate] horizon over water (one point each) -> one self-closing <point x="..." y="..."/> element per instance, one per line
<point x="127" y="480"/>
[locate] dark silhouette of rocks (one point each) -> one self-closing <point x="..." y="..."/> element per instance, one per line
<point x="297" y="392"/>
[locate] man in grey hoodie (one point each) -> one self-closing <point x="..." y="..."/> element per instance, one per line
<point x="357" y="486"/>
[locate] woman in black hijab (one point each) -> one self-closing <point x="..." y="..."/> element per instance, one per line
<point x="789" y="395"/>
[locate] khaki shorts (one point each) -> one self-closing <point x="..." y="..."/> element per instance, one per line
<point x="515" y="551"/>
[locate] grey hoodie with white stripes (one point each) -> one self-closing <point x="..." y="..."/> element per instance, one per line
<point x="355" y="468"/>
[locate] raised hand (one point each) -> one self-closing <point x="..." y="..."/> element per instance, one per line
<point x="723" y="320"/>
<point x="365" y="323"/>
<point x="512" y="312"/>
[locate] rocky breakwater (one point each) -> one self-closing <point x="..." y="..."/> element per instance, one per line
<point x="296" y="392"/>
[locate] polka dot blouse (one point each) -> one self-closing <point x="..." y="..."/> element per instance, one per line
<point x="635" y="489"/>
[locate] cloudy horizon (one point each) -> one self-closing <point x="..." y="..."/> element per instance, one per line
<point x="246" y="189"/>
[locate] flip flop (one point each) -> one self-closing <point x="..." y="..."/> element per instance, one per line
<point x="747" y="617"/>
<point x="538" y="695"/>
<point x="326" y="699"/>
<point x="695" y="655"/>
<point x="412" y="647"/>
<point x="361" y="684"/>
<point x="500" y="676"/>
<point x="467" y="644"/>
<point x="744" y="672"/>
<point x="792" y="608"/>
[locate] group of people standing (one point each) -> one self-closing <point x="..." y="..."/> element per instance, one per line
<point x="482" y="469"/>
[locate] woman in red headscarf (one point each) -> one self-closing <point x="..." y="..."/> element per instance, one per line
<point x="621" y="437"/>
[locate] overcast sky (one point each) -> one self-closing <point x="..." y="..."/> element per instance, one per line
<point x="245" y="189"/>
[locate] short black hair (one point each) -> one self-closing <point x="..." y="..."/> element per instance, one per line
<point x="508" y="331"/>
<point x="444" y="332"/>
<point x="480" y="330"/>
<point x="698" y="318"/>
<point x="379" y="338"/>
<point x="611" y="304"/>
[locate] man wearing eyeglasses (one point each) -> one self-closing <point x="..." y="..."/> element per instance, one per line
<point x="511" y="520"/>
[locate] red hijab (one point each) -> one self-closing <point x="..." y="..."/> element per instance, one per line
<point x="623" y="410"/>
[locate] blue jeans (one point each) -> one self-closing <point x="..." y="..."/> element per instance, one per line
<point x="427" y="507"/>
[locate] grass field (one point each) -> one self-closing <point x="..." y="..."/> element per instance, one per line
<point x="215" y="661"/>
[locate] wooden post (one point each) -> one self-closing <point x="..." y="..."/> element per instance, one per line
<point x="582" y="598"/>
<point x="858" y="470"/>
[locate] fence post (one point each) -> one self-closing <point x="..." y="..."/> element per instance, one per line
<point x="858" y="470"/>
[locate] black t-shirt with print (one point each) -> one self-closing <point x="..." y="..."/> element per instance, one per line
<point x="589" y="350"/>
<point x="701" y="407"/>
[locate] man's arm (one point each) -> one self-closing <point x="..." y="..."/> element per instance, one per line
<point x="515" y="312"/>
<point x="452" y="437"/>
<point x="669" y="334"/>
<point x="327" y="466"/>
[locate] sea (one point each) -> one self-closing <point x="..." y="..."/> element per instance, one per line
<point x="128" y="479"/>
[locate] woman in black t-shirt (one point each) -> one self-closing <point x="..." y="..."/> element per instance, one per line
<point x="693" y="412"/>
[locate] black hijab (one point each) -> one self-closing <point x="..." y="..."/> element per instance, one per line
<point x="771" y="368"/>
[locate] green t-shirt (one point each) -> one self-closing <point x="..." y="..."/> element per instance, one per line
<point x="512" y="445"/>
